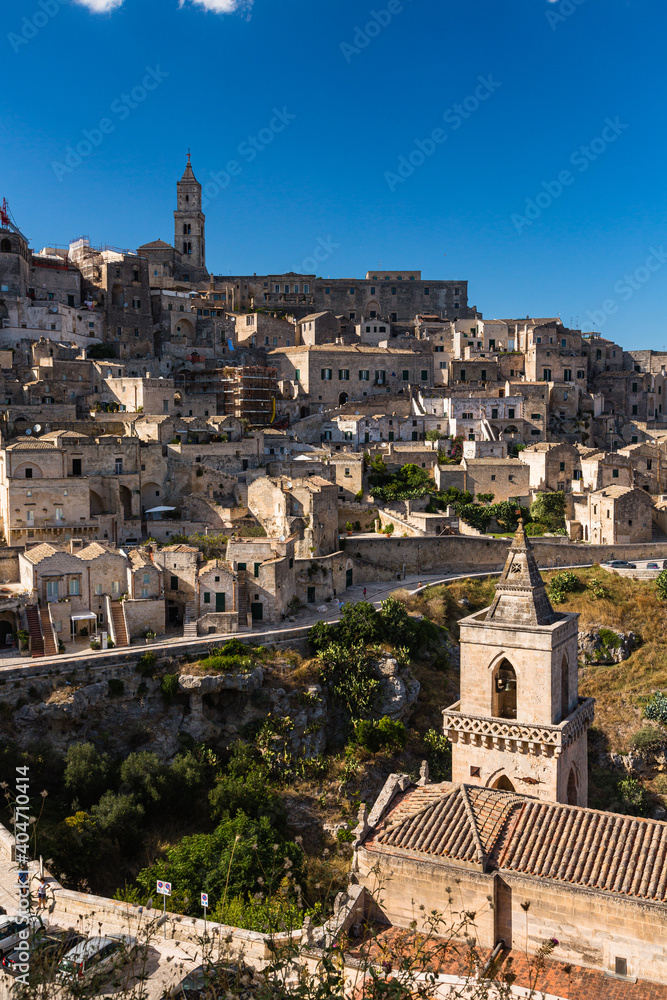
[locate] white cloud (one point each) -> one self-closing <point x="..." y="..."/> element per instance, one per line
<point x="100" y="6"/>
<point x="222" y="6"/>
<point x="216" y="6"/>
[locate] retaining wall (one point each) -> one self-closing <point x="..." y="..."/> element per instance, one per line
<point x="384" y="558"/>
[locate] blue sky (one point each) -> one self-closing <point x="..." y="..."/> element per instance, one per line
<point x="547" y="193"/>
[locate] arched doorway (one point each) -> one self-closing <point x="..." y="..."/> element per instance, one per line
<point x="504" y="691"/>
<point x="7" y="628"/>
<point x="572" y="787"/>
<point x="564" y="689"/>
<point x="117" y="296"/>
<point x="503" y="784"/>
<point x="342" y="399"/>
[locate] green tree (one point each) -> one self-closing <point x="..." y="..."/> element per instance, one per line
<point x="240" y="857"/>
<point x="549" y="510"/>
<point x="661" y="585"/>
<point x="120" y="817"/>
<point x="144" y="776"/>
<point x="86" y="773"/>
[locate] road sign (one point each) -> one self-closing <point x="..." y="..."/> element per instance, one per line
<point x="164" y="888"/>
<point x="204" y="899"/>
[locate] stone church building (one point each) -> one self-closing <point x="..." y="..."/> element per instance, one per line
<point x="511" y="836"/>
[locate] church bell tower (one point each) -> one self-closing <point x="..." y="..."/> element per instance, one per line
<point x="520" y="724"/>
<point x="189" y="221"/>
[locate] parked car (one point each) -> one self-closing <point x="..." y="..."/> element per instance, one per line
<point x="45" y="950"/>
<point x="653" y="565"/>
<point x="11" y="926"/>
<point x="207" y="982"/>
<point x="96" y="956"/>
<point x="622" y="564"/>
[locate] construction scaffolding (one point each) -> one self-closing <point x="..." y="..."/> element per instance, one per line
<point x="247" y="392"/>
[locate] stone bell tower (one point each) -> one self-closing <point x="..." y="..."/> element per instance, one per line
<point x="189" y="221"/>
<point x="520" y="724"/>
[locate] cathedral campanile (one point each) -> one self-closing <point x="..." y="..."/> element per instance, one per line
<point x="520" y="724"/>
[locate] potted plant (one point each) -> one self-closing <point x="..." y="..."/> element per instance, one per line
<point x="84" y="632"/>
<point x="149" y="636"/>
<point x="95" y="644"/>
<point x="24" y="641"/>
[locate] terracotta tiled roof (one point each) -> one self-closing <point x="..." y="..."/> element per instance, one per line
<point x="584" y="847"/>
<point x="557" y="978"/>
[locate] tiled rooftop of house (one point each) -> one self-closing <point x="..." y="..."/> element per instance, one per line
<point x="553" y="978"/>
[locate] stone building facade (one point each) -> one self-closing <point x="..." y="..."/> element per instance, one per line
<point x="511" y="831"/>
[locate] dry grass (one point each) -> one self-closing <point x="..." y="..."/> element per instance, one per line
<point x="441" y="603"/>
<point x="620" y="690"/>
<point x="623" y="689"/>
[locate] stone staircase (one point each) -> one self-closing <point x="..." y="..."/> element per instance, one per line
<point x="657" y="534"/>
<point x="190" y="621"/>
<point x="242" y="601"/>
<point x="35" y="630"/>
<point x="120" y="636"/>
<point x="50" y="644"/>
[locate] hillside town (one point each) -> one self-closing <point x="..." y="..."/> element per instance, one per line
<point x="188" y="459"/>
<point x="146" y="400"/>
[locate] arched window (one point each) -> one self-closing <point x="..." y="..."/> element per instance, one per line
<point x="572" y="788"/>
<point x="6" y="246"/>
<point x="117" y="295"/>
<point x="504" y="784"/>
<point x="342" y="399"/>
<point x="504" y="691"/>
<point x="564" y="689"/>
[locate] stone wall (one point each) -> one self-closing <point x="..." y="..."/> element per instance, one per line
<point x="146" y="614"/>
<point x="382" y="558"/>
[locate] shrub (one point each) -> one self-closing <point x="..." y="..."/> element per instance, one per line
<point x="169" y="687"/>
<point x="563" y="583"/>
<point x="656" y="709"/>
<point x="350" y="673"/>
<point x="534" y="529"/>
<point x="661" y="585"/>
<point x="609" y="639"/>
<point x="116" y="687"/>
<point x="146" y="664"/>
<point x="648" y="737"/>
<point x="386" y="734"/>
<point x="633" y="797"/>
<point x="438" y="755"/>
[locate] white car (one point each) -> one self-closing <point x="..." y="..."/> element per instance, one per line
<point x="96" y="956"/>
<point x="11" y="925"/>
